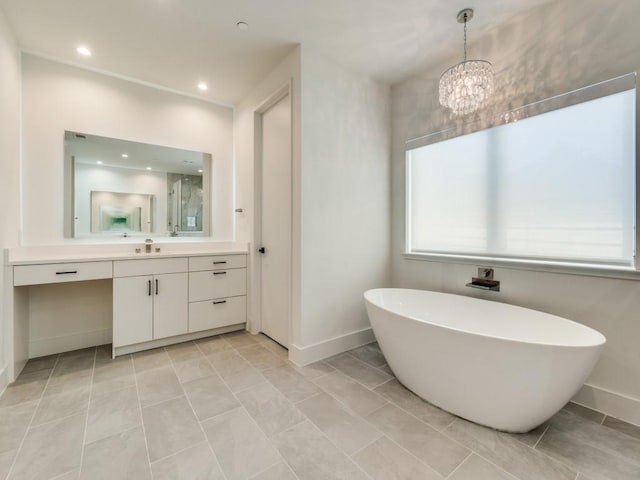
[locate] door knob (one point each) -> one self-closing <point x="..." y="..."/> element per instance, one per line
<point x="262" y="250"/>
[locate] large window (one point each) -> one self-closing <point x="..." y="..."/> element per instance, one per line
<point x="558" y="186"/>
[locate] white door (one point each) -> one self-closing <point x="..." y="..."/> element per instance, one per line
<point x="275" y="281"/>
<point x="170" y="304"/>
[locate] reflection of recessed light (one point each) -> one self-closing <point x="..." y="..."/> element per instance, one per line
<point x="242" y="26"/>
<point x="200" y="171"/>
<point x="124" y="155"/>
<point x="203" y="86"/>
<point x="148" y="168"/>
<point x="84" y="51"/>
<point x="99" y="162"/>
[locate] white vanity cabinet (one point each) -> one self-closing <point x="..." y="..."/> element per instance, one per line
<point x="150" y="300"/>
<point x="217" y="291"/>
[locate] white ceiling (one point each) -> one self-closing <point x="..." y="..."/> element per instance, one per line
<point x="176" y="43"/>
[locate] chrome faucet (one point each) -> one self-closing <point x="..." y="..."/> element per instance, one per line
<point x="147" y="245"/>
<point x="174" y="232"/>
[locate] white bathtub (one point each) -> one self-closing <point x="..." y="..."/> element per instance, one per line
<point x="506" y="367"/>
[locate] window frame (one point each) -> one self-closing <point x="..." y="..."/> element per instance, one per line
<point x="585" y="94"/>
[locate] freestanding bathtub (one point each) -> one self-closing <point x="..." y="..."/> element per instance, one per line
<point x="506" y="367"/>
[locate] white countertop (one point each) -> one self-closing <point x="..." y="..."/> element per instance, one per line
<point x="69" y="253"/>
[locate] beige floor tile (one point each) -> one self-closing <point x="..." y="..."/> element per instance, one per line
<point x="346" y="430"/>
<point x="291" y="384"/>
<point x="278" y="472"/>
<point x="157" y="385"/>
<point x="260" y="358"/>
<point x="361" y="372"/>
<point x="40" y="363"/>
<point x="26" y="388"/>
<point x="212" y="344"/>
<point x="370" y="354"/>
<point x="623" y="427"/>
<point x="112" y="413"/>
<point x="50" y="449"/>
<point x="396" y="393"/>
<point x="70" y="475"/>
<point x="183" y="351"/>
<point x="584" y="412"/>
<point x="275" y="348"/>
<point x="193" y="369"/>
<point x="312" y="456"/>
<point x="476" y="468"/>
<point x="158" y="357"/>
<point x="269" y="408"/>
<point x="122" y="456"/>
<point x="241" y="339"/>
<point x="599" y="452"/>
<point x="209" y="397"/>
<point x="432" y="447"/>
<point x="113" y="375"/>
<point x="313" y="370"/>
<point x="170" y="426"/>
<point x="6" y="460"/>
<point x="61" y="405"/>
<point x="384" y="459"/>
<point x="503" y="450"/>
<point x="195" y="463"/>
<point x="358" y="398"/>
<point x="14" y="422"/>
<point x="237" y="373"/>
<point x="240" y="446"/>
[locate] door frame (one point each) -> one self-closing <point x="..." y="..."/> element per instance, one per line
<point x="271" y="100"/>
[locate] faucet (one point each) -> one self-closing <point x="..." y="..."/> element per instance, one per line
<point x="174" y="232"/>
<point x="147" y="245"/>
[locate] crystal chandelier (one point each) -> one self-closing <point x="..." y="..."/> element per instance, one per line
<point x="467" y="85"/>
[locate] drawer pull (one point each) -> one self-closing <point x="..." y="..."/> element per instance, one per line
<point x="220" y="263"/>
<point x="156" y="286"/>
<point x="149" y="287"/>
<point x="219" y="273"/>
<point x="70" y="272"/>
<point x="219" y="302"/>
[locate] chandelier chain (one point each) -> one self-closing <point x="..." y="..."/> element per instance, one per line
<point x="465" y="37"/>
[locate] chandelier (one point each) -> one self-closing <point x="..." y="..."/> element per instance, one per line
<point x="468" y="84"/>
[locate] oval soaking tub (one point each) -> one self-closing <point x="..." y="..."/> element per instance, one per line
<point x="506" y="367"/>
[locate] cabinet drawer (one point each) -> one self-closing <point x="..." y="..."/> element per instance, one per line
<point x="217" y="262"/>
<point x="149" y="266"/>
<point x="217" y="284"/>
<point x="61" y="272"/>
<point x="207" y="315"/>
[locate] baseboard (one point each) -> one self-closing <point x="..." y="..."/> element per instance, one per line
<point x="163" y="342"/>
<point x="302" y="356"/>
<point x="65" y="343"/>
<point x="610" y="403"/>
<point x="4" y="379"/>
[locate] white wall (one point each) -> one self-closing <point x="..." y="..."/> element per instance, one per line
<point x="90" y="178"/>
<point x="345" y="199"/>
<point x="288" y="71"/>
<point x="561" y="47"/>
<point x="59" y="97"/>
<point x="9" y="160"/>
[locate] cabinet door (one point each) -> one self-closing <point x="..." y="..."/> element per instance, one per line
<point x="170" y="304"/>
<point x="132" y="310"/>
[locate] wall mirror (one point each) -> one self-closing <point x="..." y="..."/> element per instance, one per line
<point x="122" y="188"/>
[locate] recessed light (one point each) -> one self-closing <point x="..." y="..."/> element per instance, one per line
<point x="203" y="86"/>
<point x="99" y="162"/>
<point x="242" y="26"/>
<point x="124" y="155"/>
<point x="200" y="171"/>
<point x="84" y="51"/>
<point x="148" y="168"/>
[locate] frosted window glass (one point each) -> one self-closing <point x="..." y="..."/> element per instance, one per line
<point x="556" y="186"/>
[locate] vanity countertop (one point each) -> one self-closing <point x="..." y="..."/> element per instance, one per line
<point x="69" y="253"/>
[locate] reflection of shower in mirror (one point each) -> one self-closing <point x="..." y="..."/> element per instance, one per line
<point x="184" y="209"/>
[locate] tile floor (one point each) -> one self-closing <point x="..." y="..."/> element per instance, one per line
<point x="233" y="407"/>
